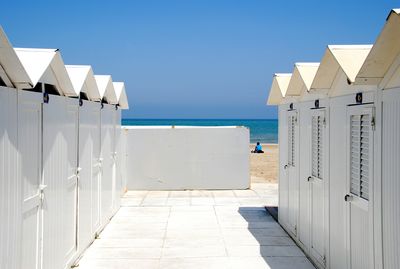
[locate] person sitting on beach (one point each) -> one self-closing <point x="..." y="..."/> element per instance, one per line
<point x="258" y="148"/>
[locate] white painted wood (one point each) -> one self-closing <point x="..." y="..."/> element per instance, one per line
<point x="318" y="183"/>
<point x="283" y="161"/>
<point x="337" y="177"/>
<point x="60" y="135"/>
<point x="85" y="233"/>
<point x="96" y="165"/>
<point x="390" y="178"/>
<point x="293" y="170"/>
<point x="117" y="161"/>
<point x="304" y="173"/>
<point x="30" y="150"/>
<point x="107" y="162"/>
<point x="71" y="198"/>
<point x="359" y="187"/>
<point x="10" y="186"/>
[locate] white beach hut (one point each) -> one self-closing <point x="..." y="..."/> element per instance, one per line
<point x="312" y="108"/>
<point x="289" y="148"/>
<point x="12" y="77"/>
<point x="49" y="165"/>
<point x="382" y="68"/>
<point x="89" y="153"/>
<point x="43" y="191"/>
<point x="106" y="88"/>
<point x="120" y="184"/>
<point x="351" y="136"/>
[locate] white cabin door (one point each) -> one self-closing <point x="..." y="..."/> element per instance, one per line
<point x="30" y="147"/>
<point x="359" y="184"/>
<point x="71" y="184"/>
<point x="85" y="178"/>
<point x="96" y="163"/>
<point x="107" y="155"/>
<point x="114" y="160"/>
<point x="283" y="214"/>
<point x="390" y="178"/>
<point x="317" y="182"/>
<point x="60" y="179"/>
<point x="293" y="170"/>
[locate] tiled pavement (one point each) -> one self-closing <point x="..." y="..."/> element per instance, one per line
<point x="195" y="229"/>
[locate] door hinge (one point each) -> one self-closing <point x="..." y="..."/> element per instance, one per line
<point x="46" y="98"/>
<point x="324" y="122"/>
<point x="373" y="119"/>
<point x="324" y="260"/>
<point x="373" y="123"/>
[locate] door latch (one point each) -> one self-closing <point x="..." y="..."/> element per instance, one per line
<point x="348" y="197"/>
<point x="42" y="187"/>
<point x="78" y="170"/>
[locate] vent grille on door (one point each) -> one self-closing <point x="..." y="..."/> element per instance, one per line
<point x="291" y="139"/>
<point x="317" y="144"/>
<point x="360" y="131"/>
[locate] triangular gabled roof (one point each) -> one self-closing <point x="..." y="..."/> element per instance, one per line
<point x="119" y="88"/>
<point x="302" y="77"/>
<point x="383" y="53"/>
<point x="83" y="80"/>
<point x="46" y="66"/>
<point x="106" y="88"/>
<point x="348" y="58"/>
<point x="12" y="71"/>
<point x="278" y="89"/>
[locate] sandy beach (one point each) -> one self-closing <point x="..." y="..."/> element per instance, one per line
<point x="264" y="167"/>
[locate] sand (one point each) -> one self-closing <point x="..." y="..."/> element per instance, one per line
<point x="264" y="167"/>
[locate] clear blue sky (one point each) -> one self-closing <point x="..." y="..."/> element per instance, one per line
<point x="193" y="58"/>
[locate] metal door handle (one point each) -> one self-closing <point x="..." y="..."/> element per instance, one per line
<point x="309" y="178"/>
<point x="348" y="197"/>
<point x="285" y="167"/>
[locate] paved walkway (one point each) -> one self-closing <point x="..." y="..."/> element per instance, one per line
<point x="195" y="229"/>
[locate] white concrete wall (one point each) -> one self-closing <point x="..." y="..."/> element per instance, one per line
<point x="165" y="158"/>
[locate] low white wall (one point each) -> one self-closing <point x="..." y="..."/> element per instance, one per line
<point x="166" y="158"/>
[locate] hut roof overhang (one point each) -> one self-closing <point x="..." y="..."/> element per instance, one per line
<point x="302" y="77"/>
<point x="278" y="89"/>
<point x="348" y="58"/>
<point x="83" y="80"/>
<point x="46" y="66"/>
<point x="119" y="88"/>
<point x="12" y="72"/>
<point x="106" y="89"/>
<point x="384" y="52"/>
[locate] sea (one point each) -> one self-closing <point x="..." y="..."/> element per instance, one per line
<point x="261" y="130"/>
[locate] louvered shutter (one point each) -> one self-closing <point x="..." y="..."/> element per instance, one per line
<point x="360" y="146"/>
<point x="291" y="138"/>
<point x="317" y="125"/>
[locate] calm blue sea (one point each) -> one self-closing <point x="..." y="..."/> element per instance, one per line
<point x="264" y="131"/>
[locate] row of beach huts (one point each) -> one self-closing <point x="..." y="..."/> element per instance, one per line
<point x="60" y="157"/>
<point x="339" y="144"/>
